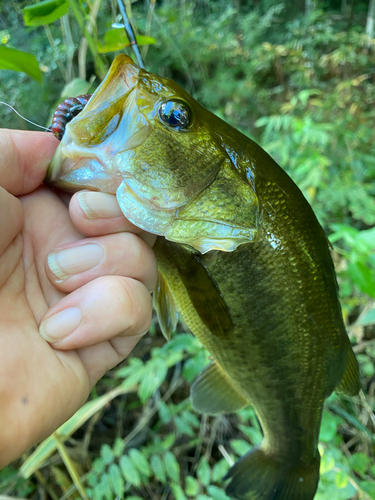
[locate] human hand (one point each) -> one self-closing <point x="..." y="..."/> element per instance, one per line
<point x="67" y="314"/>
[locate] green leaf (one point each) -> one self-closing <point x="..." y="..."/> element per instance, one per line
<point x="158" y="468"/>
<point x="191" y="486"/>
<point x="183" y="427"/>
<point x="240" y="447"/>
<point x="118" y="447"/>
<point x="118" y="484"/>
<point x="328" y="428"/>
<point x="327" y="463"/>
<point x="172" y="467"/>
<point x="217" y="493"/>
<point x="107" y="454"/>
<point x="369" y="488"/>
<point x="129" y="472"/>
<point x="219" y="470"/>
<point x="362" y="277"/>
<point x="153" y="379"/>
<point x="105" y="487"/>
<point x="168" y="441"/>
<point x="341" y="479"/>
<point x="140" y="462"/>
<point x="178" y="492"/>
<point x="368" y="318"/>
<point x="99" y="466"/>
<point x="359" y="462"/>
<point x="45" y="12"/>
<point x="116" y="39"/>
<point x="204" y="472"/>
<point x="17" y="60"/>
<point x="194" y="366"/>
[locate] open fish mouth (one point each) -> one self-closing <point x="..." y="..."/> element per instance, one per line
<point x="84" y="158"/>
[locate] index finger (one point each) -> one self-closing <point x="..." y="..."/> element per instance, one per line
<point x="24" y="159"/>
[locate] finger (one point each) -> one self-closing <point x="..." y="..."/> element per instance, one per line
<point x="24" y="159"/>
<point x="11" y="219"/>
<point x="98" y="311"/>
<point x="124" y="254"/>
<point x="47" y="226"/>
<point x="96" y="214"/>
<point x="100" y="358"/>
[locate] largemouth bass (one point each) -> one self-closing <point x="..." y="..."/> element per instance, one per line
<point x="241" y="256"/>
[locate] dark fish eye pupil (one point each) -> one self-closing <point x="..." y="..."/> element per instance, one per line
<point x="175" y="114"/>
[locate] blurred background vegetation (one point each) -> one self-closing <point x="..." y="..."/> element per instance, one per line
<point x="299" y="78"/>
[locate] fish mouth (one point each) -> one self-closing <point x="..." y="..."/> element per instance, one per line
<point x="99" y="132"/>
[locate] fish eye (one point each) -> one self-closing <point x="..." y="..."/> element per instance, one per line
<point x="175" y="114"/>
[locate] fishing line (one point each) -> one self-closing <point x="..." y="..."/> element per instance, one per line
<point x="29" y="121"/>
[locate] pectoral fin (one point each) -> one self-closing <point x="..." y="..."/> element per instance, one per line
<point x="205" y="296"/>
<point x="165" y="307"/>
<point x="213" y="392"/>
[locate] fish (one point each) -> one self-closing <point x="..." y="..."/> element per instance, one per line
<point x="241" y="256"/>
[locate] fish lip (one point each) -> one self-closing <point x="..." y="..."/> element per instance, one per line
<point x="65" y="167"/>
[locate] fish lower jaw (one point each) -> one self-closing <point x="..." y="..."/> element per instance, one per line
<point x="143" y="213"/>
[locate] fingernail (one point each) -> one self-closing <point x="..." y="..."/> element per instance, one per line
<point x="60" y="325"/>
<point x="99" y="205"/>
<point x="65" y="263"/>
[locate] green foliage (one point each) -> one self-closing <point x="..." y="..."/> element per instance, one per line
<point x="16" y="60"/>
<point x="45" y="12"/>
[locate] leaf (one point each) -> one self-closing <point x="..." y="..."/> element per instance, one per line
<point x="99" y="466"/>
<point x="129" y="472"/>
<point x="368" y="318"/>
<point x="158" y="468"/>
<point x="341" y="479"/>
<point x="140" y="462"/>
<point x="172" y="467"/>
<point x="191" y="486"/>
<point x="204" y="472"/>
<point x="75" y="87"/>
<point x="369" y="488"/>
<point x="362" y="277"/>
<point x="116" y="39"/>
<point x="359" y="462"/>
<point x="219" y="470"/>
<point x="105" y="487"/>
<point x="152" y="380"/>
<point x="118" y="447"/>
<point x="118" y="484"/>
<point x="107" y="454"/>
<point x="17" y="60"/>
<point x="327" y="463"/>
<point x="45" y="12"/>
<point x="178" y="492"/>
<point x="194" y="366"/>
<point x="217" y="493"/>
<point x="328" y="429"/>
<point x="240" y="447"/>
<point x="183" y="427"/>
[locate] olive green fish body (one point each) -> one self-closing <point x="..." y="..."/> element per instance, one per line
<point x="287" y="348"/>
<point x="241" y="256"/>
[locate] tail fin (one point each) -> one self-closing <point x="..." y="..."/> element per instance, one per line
<point x="258" y="476"/>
